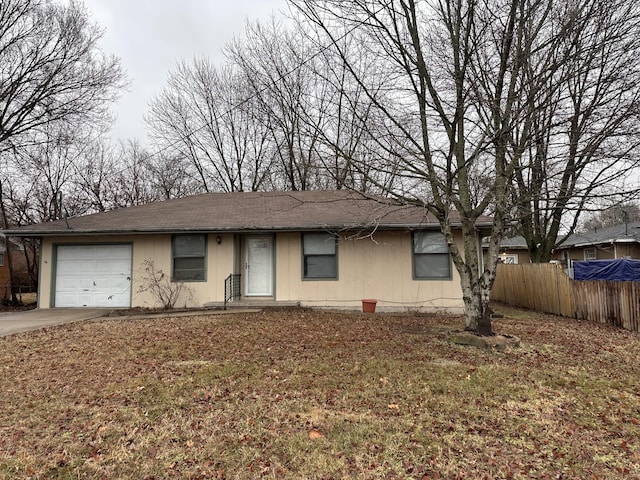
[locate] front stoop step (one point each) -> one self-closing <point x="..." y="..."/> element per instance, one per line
<point x="251" y="304"/>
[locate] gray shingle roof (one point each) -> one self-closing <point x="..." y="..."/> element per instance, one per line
<point x="248" y="211"/>
<point x="615" y="234"/>
<point x="515" y="243"/>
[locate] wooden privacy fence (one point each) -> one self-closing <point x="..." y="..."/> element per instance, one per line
<point x="545" y="287"/>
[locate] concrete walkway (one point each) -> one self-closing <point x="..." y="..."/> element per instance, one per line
<point x="23" y="321"/>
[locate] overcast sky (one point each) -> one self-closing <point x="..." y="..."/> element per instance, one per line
<point x="150" y="36"/>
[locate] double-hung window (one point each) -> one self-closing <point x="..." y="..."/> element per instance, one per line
<point x="319" y="253"/>
<point x="431" y="258"/>
<point x="189" y="258"/>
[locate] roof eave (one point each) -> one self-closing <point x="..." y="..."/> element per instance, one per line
<point x="249" y="229"/>
<point x="603" y="242"/>
<point x="483" y="227"/>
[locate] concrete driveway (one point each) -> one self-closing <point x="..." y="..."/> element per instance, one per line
<point x="15" y="322"/>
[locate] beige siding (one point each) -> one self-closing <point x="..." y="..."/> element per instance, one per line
<point x="46" y="272"/>
<point x="158" y="248"/>
<point x="378" y="268"/>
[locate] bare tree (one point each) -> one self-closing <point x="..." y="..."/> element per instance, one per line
<point x="51" y="67"/>
<point x="52" y="73"/>
<point x="168" y="178"/>
<point x="276" y="116"/>
<point x="615" y="215"/>
<point x="46" y="172"/>
<point x="95" y="183"/>
<point x="455" y="78"/>
<point x="348" y="146"/>
<point x="205" y="115"/>
<point x="116" y="176"/>
<point x="110" y="176"/>
<point x="276" y="61"/>
<point x="583" y="131"/>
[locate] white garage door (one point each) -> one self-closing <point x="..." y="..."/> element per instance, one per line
<point x="93" y="276"/>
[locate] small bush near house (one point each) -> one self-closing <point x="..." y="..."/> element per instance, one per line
<point x="163" y="290"/>
<point x="318" y="395"/>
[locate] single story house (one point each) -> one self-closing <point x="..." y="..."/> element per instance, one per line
<point x="311" y="248"/>
<point x="19" y="267"/>
<point x="5" y="277"/>
<point x="513" y="251"/>
<point x="608" y="243"/>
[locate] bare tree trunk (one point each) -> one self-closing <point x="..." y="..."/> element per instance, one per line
<point x="454" y="74"/>
<point x="584" y="136"/>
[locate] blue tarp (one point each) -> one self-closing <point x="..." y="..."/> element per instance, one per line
<point x="621" y="269"/>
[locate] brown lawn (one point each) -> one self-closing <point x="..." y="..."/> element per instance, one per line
<point x="307" y="394"/>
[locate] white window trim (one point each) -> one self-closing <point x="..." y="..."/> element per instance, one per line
<point x="509" y="259"/>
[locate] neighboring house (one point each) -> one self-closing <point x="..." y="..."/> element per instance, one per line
<point x="514" y="250"/>
<point x="18" y="262"/>
<point x="618" y="241"/>
<point x="313" y="248"/>
<point x="5" y="278"/>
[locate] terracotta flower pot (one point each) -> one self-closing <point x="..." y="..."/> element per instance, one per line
<point x="369" y="305"/>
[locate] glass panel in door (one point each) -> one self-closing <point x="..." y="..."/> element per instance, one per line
<point x="259" y="266"/>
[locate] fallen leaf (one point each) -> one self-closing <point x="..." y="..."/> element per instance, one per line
<point x="315" y="433"/>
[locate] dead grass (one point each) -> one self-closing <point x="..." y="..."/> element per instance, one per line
<point x="319" y="395"/>
<point x="27" y="301"/>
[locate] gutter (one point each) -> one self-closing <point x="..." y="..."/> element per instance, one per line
<point x="27" y="232"/>
<point x="602" y="242"/>
<point x="252" y="229"/>
<point x="143" y="231"/>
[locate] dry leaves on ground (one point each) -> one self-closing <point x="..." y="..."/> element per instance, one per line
<point x="307" y="394"/>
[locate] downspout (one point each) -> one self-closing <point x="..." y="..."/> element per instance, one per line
<point x="480" y="253"/>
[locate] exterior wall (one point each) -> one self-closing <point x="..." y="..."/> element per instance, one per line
<point x="5" y="281"/>
<point x="603" y="252"/>
<point x="515" y="256"/>
<point x="20" y="271"/>
<point x="157" y="248"/>
<point x="380" y="269"/>
<point x="631" y="250"/>
<point x="510" y="255"/>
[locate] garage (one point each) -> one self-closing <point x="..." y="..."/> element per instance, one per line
<point x="93" y="276"/>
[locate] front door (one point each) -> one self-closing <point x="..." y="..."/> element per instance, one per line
<point x="258" y="266"/>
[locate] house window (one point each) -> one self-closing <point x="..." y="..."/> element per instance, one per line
<point x="510" y="259"/>
<point x="590" y="254"/>
<point x="319" y="252"/>
<point x="431" y="259"/>
<point x="1" y="259"/>
<point x="189" y="258"/>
